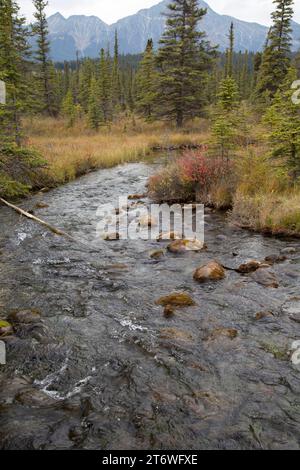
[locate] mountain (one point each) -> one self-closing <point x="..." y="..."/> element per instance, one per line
<point x="88" y="34"/>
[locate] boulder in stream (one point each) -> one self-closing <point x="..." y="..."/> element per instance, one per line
<point x="212" y="271"/>
<point x="182" y="246"/>
<point x="178" y="299"/>
<point x="266" y="278"/>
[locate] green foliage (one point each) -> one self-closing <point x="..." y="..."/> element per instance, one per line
<point x="14" y="53"/>
<point x="20" y="170"/>
<point x="146" y="83"/>
<point x="95" y="115"/>
<point x="69" y="109"/>
<point x="45" y="77"/>
<point x="184" y="59"/>
<point x="283" y="118"/>
<point x="276" y="58"/>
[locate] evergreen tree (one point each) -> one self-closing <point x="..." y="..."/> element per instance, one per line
<point x="146" y="94"/>
<point x="115" y="79"/>
<point x="45" y="73"/>
<point x="276" y="57"/>
<point x="230" y="52"/>
<point x="283" y="117"/>
<point x="95" y="115"/>
<point x="105" y="87"/>
<point x="183" y="59"/>
<point x="14" y="54"/>
<point x="69" y="108"/>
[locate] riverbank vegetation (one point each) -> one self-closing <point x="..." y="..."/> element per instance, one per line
<point x="235" y="115"/>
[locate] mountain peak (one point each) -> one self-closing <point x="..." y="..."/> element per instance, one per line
<point x="88" y="34"/>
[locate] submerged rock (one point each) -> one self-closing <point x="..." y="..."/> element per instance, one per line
<point x="25" y="316"/>
<point x="41" y="205"/>
<point x="157" y="254"/>
<point x="273" y="259"/>
<point x="266" y="278"/>
<point x="288" y="251"/>
<point x="176" y="300"/>
<point x="169" y="236"/>
<point x="147" y="220"/>
<point x="230" y="333"/>
<point x="133" y="197"/>
<point x="169" y="311"/>
<point x="176" y="334"/>
<point x="262" y="315"/>
<point x="212" y="271"/>
<point x="251" y="267"/>
<point x="5" y="328"/>
<point x="182" y="246"/>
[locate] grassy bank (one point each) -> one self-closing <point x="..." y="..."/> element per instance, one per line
<point x="258" y="193"/>
<point x="71" y="152"/>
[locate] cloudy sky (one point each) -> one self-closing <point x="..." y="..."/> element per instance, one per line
<point x="112" y="10"/>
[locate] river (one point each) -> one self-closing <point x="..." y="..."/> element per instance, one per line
<point x="105" y="369"/>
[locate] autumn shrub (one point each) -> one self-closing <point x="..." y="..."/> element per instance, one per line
<point x="195" y="176"/>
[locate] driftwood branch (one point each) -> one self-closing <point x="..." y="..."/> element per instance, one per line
<point x="50" y="227"/>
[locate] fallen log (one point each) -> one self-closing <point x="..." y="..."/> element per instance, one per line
<point x="50" y="227"/>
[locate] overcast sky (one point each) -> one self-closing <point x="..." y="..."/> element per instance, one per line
<point x="112" y="10"/>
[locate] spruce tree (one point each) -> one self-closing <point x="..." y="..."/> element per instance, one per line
<point x="69" y="108"/>
<point x="283" y="117"/>
<point x="45" y="72"/>
<point x="95" y="115"/>
<point x="105" y="87"/>
<point x="183" y="59"/>
<point x="146" y="81"/>
<point x="116" y="79"/>
<point x="14" y="54"/>
<point x="276" y="57"/>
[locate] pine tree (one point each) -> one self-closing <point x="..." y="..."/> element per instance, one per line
<point x="105" y="87"/>
<point x="276" y="57"/>
<point x="117" y="102"/>
<point x="283" y="117"/>
<point x="14" y="54"/>
<point x="85" y="77"/>
<point x="230" y="52"/>
<point x="225" y="122"/>
<point x="45" y="73"/>
<point x="146" y="78"/>
<point x="183" y="59"/>
<point x="95" y="115"/>
<point x="69" y="108"/>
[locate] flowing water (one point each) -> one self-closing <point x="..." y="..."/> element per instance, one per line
<point x="104" y="368"/>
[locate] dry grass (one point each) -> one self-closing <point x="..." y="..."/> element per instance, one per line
<point x="71" y="152"/>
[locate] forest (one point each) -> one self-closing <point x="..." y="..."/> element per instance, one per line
<point x="239" y="112"/>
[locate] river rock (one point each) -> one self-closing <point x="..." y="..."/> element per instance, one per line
<point x="273" y="259"/>
<point x="133" y="197"/>
<point x="157" y="254"/>
<point x="290" y="250"/>
<point x="212" y="271"/>
<point x="34" y="398"/>
<point x="230" y="333"/>
<point x="180" y="299"/>
<point x="263" y="315"/>
<point x="182" y="246"/>
<point x="5" y="328"/>
<point x="266" y="278"/>
<point x="176" y="334"/>
<point x="41" y="205"/>
<point x="250" y="267"/>
<point x="169" y="311"/>
<point x="111" y="236"/>
<point x="169" y="236"/>
<point x="25" y="316"/>
<point x="147" y="220"/>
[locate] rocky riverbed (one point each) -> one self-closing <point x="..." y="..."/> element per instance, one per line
<point x="97" y="358"/>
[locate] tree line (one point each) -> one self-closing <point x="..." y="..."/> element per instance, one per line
<point x="185" y="78"/>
